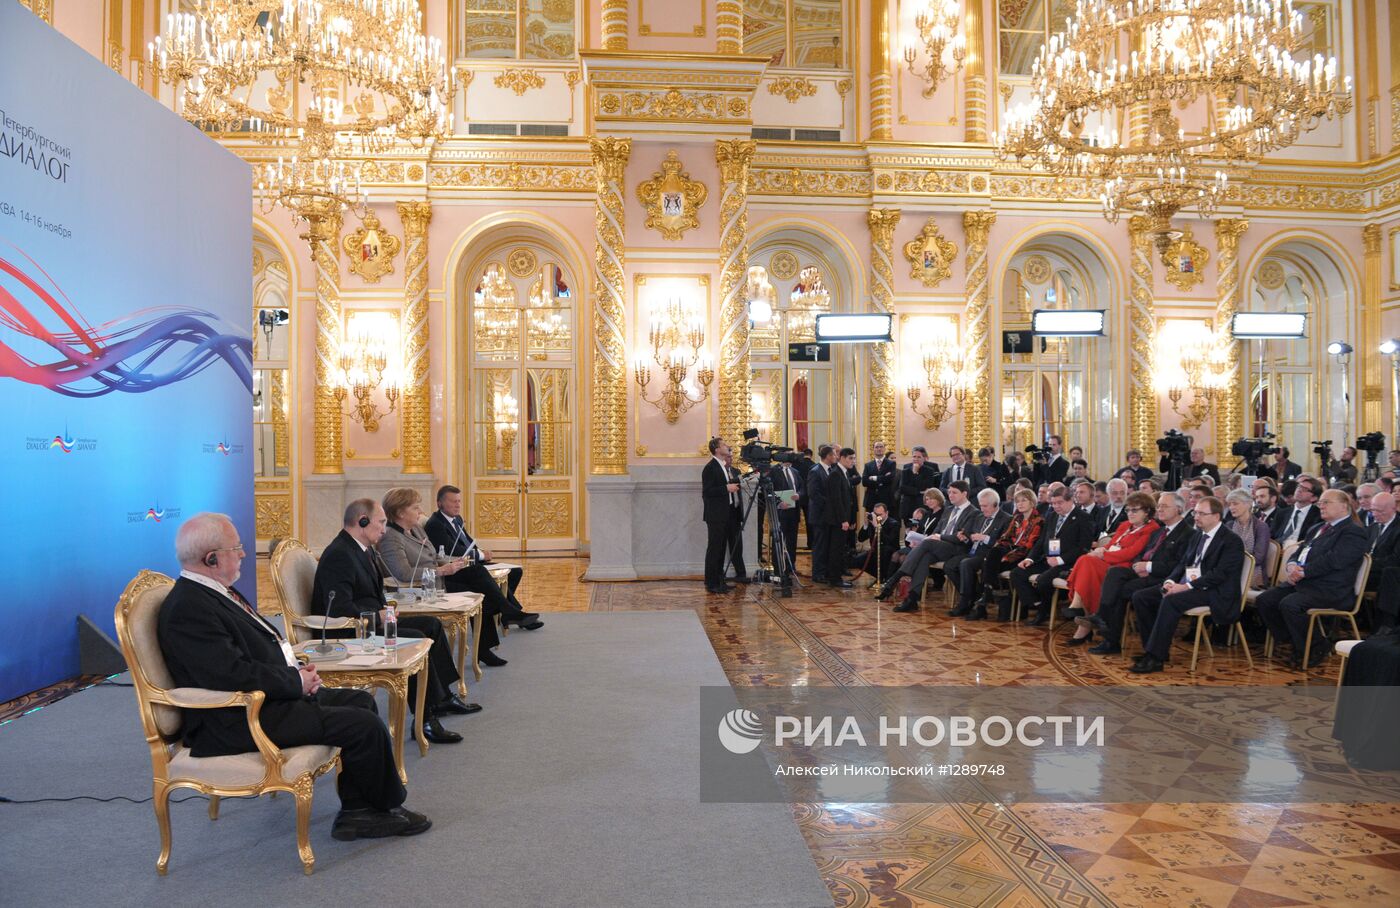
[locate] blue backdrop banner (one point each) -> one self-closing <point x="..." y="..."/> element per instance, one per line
<point x="125" y="342"/>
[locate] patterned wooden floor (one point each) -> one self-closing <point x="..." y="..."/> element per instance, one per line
<point x="1213" y="855"/>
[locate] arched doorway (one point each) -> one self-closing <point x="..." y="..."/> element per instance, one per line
<point x="518" y="294"/>
<point x="1057" y="386"/>
<point x="1296" y="390"/>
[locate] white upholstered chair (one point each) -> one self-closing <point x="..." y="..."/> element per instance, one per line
<point x="269" y="769"/>
<point x="294" y="576"/>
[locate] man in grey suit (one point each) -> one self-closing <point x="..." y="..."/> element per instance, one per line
<point x="962" y="470"/>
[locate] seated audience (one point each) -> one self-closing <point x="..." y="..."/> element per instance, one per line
<point x="1068" y="534"/>
<point x="1208" y="575"/>
<point x="1299" y="519"/>
<point x="965" y="570"/>
<point x="1266" y="507"/>
<point x="1115" y="512"/>
<point x="407" y="552"/>
<point x="1012" y="547"/>
<point x="1365" y="494"/>
<point x="1078" y="470"/>
<point x="1385" y="560"/>
<point x="350" y="580"/>
<point x="212" y="638"/>
<point x="1321" y="573"/>
<point x="946" y="540"/>
<point x="1156" y="563"/>
<point x="1252" y="530"/>
<point x="1129" y="541"/>
<point x="445" y="530"/>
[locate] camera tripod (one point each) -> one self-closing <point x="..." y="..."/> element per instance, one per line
<point x="779" y="569"/>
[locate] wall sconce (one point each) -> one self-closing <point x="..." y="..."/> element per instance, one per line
<point x="507" y="415"/>
<point x="1202" y="358"/>
<point x="677" y="336"/>
<point x="943" y="366"/>
<point x="368" y="362"/>
<point x="943" y="44"/>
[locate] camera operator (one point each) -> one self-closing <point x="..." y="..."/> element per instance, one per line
<point x="911" y="481"/>
<point x="878" y="478"/>
<point x="1199" y="467"/>
<point x="1393" y="471"/>
<point x="1282" y="468"/>
<point x="719" y="489"/>
<point x="1051" y="465"/>
<point x="1342" y="471"/>
<point x="879" y="523"/>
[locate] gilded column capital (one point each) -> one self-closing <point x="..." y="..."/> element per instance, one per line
<point x="734" y="157"/>
<point x="882" y="223"/>
<point x="415" y="415"/>
<point x="1371" y="239"/>
<point x="1139" y="226"/>
<point x="610" y="157"/>
<point x="1228" y="232"/>
<point x="977" y="226"/>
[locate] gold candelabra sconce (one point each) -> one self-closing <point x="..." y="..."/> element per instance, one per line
<point x="1204" y="371"/>
<point x="942" y="363"/>
<point x="507" y="413"/>
<point x="368" y="364"/>
<point x="940" y="38"/>
<point x="677" y="338"/>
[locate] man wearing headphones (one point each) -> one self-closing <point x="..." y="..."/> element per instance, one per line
<point x="349" y="568"/>
<point x="212" y="638"/>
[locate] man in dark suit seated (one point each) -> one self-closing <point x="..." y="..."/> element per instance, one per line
<point x="949" y="540"/>
<point x="1208" y="575"/>
<point x="965" y="570"/>
<point x="1068" y="533"/>
<point x="349" y="580"/>
<point x="211" y="637"/>
<point x="1320" y="574"/>
<point x="445" y="530"/>
<point x="1299" y="518"/>
<point x="1163" y="553"/>
<point x="1385" y="560"/>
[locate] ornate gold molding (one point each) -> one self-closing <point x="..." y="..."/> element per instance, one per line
<point x="323" y="230"/>
<point x="1185" y="261"/>
<point x="609" y="441"/>
<point x="974" y="74"/>
<point x="884" y="414"/>
<point x="41" y="8"/>
<point x="734" y="157"/>
<point x="1142" y="329"/>
<point x="930" y="255"/>
<point x="1370" y="324"/>
<point x="370" y="250"/>
<point x="881" y="85"/>
<point x="672" y="199"/>
<point x="977" y="410"/>
<point x="673" y="105"/>
<point x="615" y="24"/>
<point x="793" y="88"/>
<point x="729" y="27"/>
<point x="519" y="80"/>
<point x="415" y="420"/>
<point x="280" y="437"/>
<point x="1229" y="413"/>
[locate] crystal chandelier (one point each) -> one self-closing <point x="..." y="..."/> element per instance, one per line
<point x="1229" y="63"/>
<point x="808" y="299"/>
<point x="495" y="315"/>
<point x="943" y="44"/>
<point x="942" y="362"/>
<point x="365" y="366"/>
<point x="318" y="80"/>
<point x="677" y="337"/>
<point x="1205" y="372"/>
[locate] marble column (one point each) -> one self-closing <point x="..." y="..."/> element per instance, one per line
<point x="1372" y="361"/>
<point x="1229" y="413"/>
<point x="974" y="74"/>
<point x="609" y="390"/>
<point x="415" y="420"/>
<point x="977" y="411"/>
<point x="733" y="156"/>
<point x="729" y="27"/>
<point x="328" y="434"/>
<point x="882" y="404"/>
<point x="1142" y="332"/>
<point x="614" y="24"/>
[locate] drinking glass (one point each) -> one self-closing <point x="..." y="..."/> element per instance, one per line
<point x="366" y="631"/>
<point x="439" y="587"/>
<point x="428" y="584"/>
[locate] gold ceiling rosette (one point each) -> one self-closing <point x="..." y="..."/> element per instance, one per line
<point x="1206" y="87"/>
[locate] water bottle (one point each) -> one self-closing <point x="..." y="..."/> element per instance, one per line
<point x="442" y="555"/>
<point x="391" y="627"/>
<point x="428" y="584"/>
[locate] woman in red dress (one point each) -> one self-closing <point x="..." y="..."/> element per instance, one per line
<point x="1128" y="542"/>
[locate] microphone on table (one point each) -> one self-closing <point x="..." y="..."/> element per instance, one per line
<point x="327" y="652"/>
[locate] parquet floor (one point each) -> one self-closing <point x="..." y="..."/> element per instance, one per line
<point x="1211" y="855"/>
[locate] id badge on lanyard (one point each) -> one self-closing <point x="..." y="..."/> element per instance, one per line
<point x="1053" y="548"/>
<point x="1193" y="574"/>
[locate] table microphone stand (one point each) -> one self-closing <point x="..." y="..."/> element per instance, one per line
<point x="324" y="651"/>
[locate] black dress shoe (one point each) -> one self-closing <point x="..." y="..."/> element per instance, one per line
<point x="978" y="613"/>
<point x="841" y="584"/>
<point x="1318" y="655"/>
<point x="962" y="609"/>
<point x="456" y="706"/>
<point x="886" y="591"/>
<point x="488" y="658"/>
<point x="1037" y="621"/>
<point x="1105" y="648"/>
<point x="435" y="732"/>
<point x="534" y="625"/>
<point x="907" y="607"/>
<point x="417" y="823"/>
<point x="745" y="580"/>
<point x="1080" y="641"/>
<point x="1146" y="665"/>
<point x="721" y="589"/>
<point x="367" y="823"/>
<point x="1098" y="624"/>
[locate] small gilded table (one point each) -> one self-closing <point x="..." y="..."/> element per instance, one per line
<point x="391" y="672"/>
<point x="460" y="614"/>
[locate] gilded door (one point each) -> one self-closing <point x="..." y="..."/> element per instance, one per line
<point x="522" y="404"/>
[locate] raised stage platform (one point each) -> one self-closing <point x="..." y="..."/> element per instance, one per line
<point x="576" y="786"/>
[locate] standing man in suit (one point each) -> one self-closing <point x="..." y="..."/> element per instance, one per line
<point x="736" y="538"/>
<point x="1320" y="574"/>
<point x="1068" y="534"/>
<point x="349" y="580"/>
<point x="446" y="530"/>
<point x="212" y="638"/>
<point x="836" y="515"/>
<point x="962" y="470"/>
<point x="1056" y="466"/>
<point x="1303" y="515"/>
<point x="785" y="479"/>
<point x="720" y="495"/>
<point x="1210" y="575"/>
<point x="878" y="478"/>
<point x="1163" y="553"/>
<point x="803" y="465"/>
<point x="816" y="505"/>
<point x="911" y="481"/>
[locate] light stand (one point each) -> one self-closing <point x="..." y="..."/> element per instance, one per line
<point x="1391" y="348"/>
<point x="1341" y="351"/>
